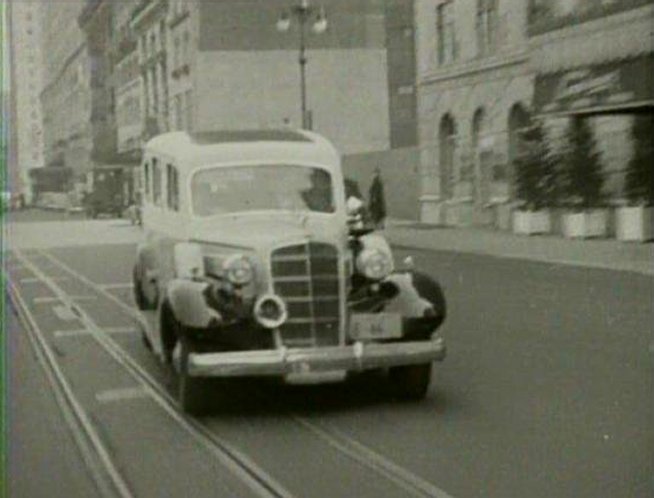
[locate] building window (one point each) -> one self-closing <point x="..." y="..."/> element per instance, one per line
<point x="176" y="53"/>
<point x="185" y="47"/>
<point x="486" y="26"/>
<point x="447" y="138"/>
<point x="445" y="34"/>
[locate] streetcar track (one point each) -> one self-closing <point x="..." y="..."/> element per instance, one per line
<point x="353" y="449"/>
<point x="232" y="459"/>
<point x="94" y="454"/>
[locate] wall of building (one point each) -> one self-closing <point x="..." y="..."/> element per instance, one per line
<point x="471" y="92"/>
<point x="261" y="89"/>
<point x="126" y="80"/>
<point x="66" y="94"/>
<point x="27" y="67"/>
<point x="182" y="39"/>
<point x="368" y="44"/>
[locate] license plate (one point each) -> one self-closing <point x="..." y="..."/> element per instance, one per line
<point x="370" y="326"/>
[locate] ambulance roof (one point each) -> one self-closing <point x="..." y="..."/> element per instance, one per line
<point x="235" y="146"/>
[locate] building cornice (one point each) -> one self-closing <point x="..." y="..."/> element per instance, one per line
<point x="619" y="36"/>
<point x="472" y="67"/>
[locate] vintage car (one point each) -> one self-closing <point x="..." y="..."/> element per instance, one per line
<point x="249" y="267"/>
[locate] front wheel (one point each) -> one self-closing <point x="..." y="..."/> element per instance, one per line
<point x="410" y="382"/>
<point x="193" y="393"/>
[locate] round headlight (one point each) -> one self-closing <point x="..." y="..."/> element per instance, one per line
<point x="270" y="311"/>
<point x="374" y="264"/>
<point x="238" y="269"/>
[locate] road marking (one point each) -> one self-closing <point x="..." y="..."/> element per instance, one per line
<point x="122" y="394"/>
<point x="83" y="332"/>
<point x="64" y="313"/>
<point x="70" y="333"/>
<point x="127" y="286"/>
<point x="130" y="310"/>
<point x="45" y="300"/>
<point x="29" y="280"/>
<point x="96" y="457"/>
<point x="35" y="280"/>
<point x="53" y="299"/>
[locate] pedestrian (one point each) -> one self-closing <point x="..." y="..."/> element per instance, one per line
<point x="377" y="203"/>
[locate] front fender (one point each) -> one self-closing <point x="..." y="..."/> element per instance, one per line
<point x="188" y="304"/>
<point x="419" y="299"/>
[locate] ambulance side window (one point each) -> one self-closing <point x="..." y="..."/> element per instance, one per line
<point x="147" y="175"/>
<point x="157" y="180"/>
<point x="173" y="187"/>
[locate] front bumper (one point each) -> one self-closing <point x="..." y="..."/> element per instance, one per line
<point x="357" y="357"/>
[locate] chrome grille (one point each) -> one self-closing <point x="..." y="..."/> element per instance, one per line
<point x="306" y="277"/>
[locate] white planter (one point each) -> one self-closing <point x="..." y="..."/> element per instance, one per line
<point x="531" y="222"/>
<point x="634" y="223"/>
<point x="592" y="223"/>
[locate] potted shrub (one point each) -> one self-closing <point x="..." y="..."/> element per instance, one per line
<point x="536" y="183"/>
<point x="583" y="183"/>
<point x="634" y="222"/>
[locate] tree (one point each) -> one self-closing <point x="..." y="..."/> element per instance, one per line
<point x="536" y="176"/>
<point x="639" y="182"/>
<point x="584" y="176"/>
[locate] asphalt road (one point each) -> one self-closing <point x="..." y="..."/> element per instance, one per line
<point x="548" y="390"/>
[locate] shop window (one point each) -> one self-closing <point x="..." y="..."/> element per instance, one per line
<point x="445" y="33"/>
<point x="486" y="26"/>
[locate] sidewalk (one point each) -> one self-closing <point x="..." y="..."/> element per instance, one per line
<point x="599" y="253"/>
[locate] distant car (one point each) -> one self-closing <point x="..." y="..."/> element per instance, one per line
<point x="106" y="196"/>
<point x="248" y="268"/>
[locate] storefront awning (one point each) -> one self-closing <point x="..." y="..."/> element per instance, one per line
<point x="614" y="86"/>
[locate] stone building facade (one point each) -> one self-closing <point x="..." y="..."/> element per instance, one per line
<point x="26" y="68"/>
<point x="475" y="88"/>
<point x="66" y="93"/>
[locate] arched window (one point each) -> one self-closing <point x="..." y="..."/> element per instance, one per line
<point x="478" y="128"/>
<point x="447" y="154"/>
<point x="479" y="170"/>
<point x="519" y="120"/>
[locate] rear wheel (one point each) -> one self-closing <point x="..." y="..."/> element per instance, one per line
<point x="410" y="382"/>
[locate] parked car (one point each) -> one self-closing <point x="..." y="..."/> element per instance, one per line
<point x="248" y="267"/>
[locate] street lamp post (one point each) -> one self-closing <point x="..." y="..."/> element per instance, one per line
<point x="303" y="13"/>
